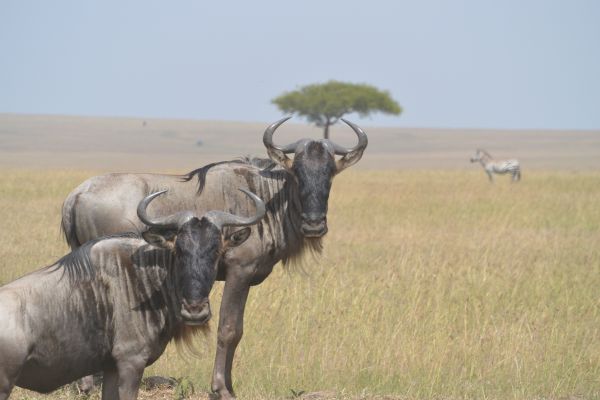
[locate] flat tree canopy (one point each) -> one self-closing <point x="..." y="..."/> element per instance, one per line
<point x="325" y="103"/>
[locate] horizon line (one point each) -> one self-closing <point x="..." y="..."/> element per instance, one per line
<point x="295" y="120"/>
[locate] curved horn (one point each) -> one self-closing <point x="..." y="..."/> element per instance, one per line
<point x="351" y="155"/>
<point x="169" y="222"/>
<point x="268" y="136"/>
<point x="278" y="153"/>
<point x="223" y="219"/>
<point x="362" y="140"/>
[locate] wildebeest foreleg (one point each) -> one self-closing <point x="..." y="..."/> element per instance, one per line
<point x="6" y="386"/>
<point x="231" y="325"/>
<point x="8" y="376"/>
<point x="110" y="385"/>
<point x="130" y="378"/>
<point x="13" y="353"/>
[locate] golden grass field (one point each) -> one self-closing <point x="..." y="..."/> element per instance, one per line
<point x="433" y="285"/>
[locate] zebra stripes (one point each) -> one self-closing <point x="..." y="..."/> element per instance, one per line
<point x="492" y="166"/>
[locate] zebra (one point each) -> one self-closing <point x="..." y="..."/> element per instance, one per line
<point x="492" y="166"/>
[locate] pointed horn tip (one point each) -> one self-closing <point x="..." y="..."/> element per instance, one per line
<point x="352" y="124"/>
<point x="143" y="204"/>
<point x="268" y="134"/>
<point x="251" y="195"/>
<point x="146" y="200"/>
<point x="158" y="193"/>
<point x="281" y="121"/>
<point x="357" y="129"/>
<point x="260" y="204"/>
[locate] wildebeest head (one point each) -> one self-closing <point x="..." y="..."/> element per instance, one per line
<point x="198" y="243"/>
<point x="313" y="167"/>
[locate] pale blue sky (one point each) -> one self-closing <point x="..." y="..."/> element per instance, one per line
<point x="477" y="63"/>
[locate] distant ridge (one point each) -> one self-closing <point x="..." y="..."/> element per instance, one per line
<point x="139" y="144"/>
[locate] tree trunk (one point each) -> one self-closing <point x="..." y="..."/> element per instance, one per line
<point x="326" y="130"/>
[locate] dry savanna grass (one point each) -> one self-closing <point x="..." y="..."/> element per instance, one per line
<point x="433" y="284"/>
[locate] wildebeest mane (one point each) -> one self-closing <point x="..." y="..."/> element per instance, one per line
<point x="265" y="164"/>
<point x="77" y="265"/>
<point x="184" y="336"/>
<point x="200" y="173"/>
<point x="294" y="259"/>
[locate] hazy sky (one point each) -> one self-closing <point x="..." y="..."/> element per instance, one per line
<point x="488" y="64"/>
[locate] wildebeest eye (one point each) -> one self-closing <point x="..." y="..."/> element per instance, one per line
<point x="238" y="237"/>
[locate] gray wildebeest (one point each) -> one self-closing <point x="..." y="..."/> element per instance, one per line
<point x="296" y="193"/>
<point x="113" y="304"/>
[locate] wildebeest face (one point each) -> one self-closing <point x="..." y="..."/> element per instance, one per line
<point x="198" y="244"/>
<point x="314" y="168"/>
<point x="197" y="249"/>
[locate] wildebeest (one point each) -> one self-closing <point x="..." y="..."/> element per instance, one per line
<point x="113" y="304"/>
<point x="491" y="166"/>
<point x="296" y="193"/>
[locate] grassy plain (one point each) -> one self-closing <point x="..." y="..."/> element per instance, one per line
<point x="433" y="284"/>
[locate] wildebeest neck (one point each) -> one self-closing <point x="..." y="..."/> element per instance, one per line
<point x="280" y="230"/>
<point x="77" y="265"/>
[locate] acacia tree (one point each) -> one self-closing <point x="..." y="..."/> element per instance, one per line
<point x="325" y="103"/>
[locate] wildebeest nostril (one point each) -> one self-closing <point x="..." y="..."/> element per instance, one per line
<point x="196" y="306"/>
<point x="313" y="218"/>
<point x="196" y="312"/>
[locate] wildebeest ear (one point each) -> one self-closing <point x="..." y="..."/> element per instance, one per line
<point x="280" y="158"/>
<point x="348" y="160"/>
<point x="163" y="239"/>
<point x="238" y="237"/>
